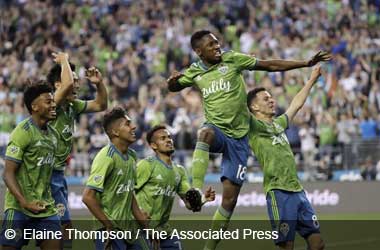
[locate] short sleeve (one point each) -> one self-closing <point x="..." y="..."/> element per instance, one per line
<point x="18" y="142"/>
<point x="244" y="61"/>
<point x="184" y="184"/>
<point x="283" y="121"/>
<point x="189" y="75"/>
<point x="143" y="172"/>
<point x="79" y="106"/>
<point x="101" y="167"/>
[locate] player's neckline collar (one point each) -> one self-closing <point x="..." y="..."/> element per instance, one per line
<point x="166" y="165"/>
<point x="124" y="157"/>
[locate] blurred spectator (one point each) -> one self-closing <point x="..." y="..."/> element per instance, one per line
<point x="368" y="170"/>
<point x="136" y="44"/>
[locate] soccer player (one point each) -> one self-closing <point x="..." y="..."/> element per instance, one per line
<point x="29" y="162"/>
<point x="65" y="83"/>
<point x="218" y="75"/>
<point x="109" y="192"/>
<point x="159" y="180"/>
<point x="288" y="208"/>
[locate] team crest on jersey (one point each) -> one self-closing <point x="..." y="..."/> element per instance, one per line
<point x="223" y="69"/>
<point x="284" y="229"/>
<point x="98" y="178"/>
<point x="61" y="209"/>
<point x="14" y="149"/>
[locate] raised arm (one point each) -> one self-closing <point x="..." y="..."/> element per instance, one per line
<point x="283" y="65"/>
<point x="100" y="102"/>
<point x="172" y="82"/>
<point x="67" y="80"/>
<point x="299" y="100"/>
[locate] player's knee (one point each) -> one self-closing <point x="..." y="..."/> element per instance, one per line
<point x="206" y="134"/>
<point x="229" y="203"/>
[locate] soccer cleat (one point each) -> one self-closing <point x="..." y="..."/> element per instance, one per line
<point x="194" y="197"/>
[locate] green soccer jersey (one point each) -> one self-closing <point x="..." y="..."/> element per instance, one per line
<point x="33" y="149"/>
<point x="156" y="187"/>
<point x="271" y="148"/>
<point x="223" y="90"/>
<point x="113" y="176"/>
<point x="64" y="125"/>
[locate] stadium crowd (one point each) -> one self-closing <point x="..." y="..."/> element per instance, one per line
<point x="136" y="44"/>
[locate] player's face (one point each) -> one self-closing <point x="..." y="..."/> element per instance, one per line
<point x="163" y="142"/>
<point x="44" y="106"/>
<point x="127" y="130"/>
<point x="264" y="103"/>
<point x="74" y="93"/>
<point x="209" y="49"/>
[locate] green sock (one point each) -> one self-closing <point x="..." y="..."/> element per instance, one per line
<point x="200" y="164"/>
<point x="220" y="220"/>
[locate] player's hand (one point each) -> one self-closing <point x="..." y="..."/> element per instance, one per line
<point x="108" y="242"/>
<point x="317" y="71"/>
<point x="60" y="57"/>
<point x="93" y="75"/>
<point x="321" y="56"/>
<point x="35" y="207"/>
<point x="155" y="244"/>
<point x="174" y="77"/>
<point x="209" y="194"/>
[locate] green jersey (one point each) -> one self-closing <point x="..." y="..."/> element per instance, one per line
<point x="156" y="187"/>
<point x="33" y="149"/>
<point x="272" y="149"/>
<point x="113" y="176"/>
<point x="64" y="125"/>
<point x="223" y="90"/>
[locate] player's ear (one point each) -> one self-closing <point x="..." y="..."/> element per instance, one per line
<point x="254" y="107"/>
<point x="153" y="146"/>
<point x="115" y="132"/>
<point x="198" y="51"/>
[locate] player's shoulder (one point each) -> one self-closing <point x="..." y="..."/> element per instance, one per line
<point x="148" y="160"/>
<point x="229" y="55"/>
<point x="106" y="153"/>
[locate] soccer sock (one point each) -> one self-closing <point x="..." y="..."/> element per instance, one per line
<point x="200" y="163"/>
<point x="219" y="221"/>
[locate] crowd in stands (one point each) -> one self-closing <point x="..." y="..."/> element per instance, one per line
<point x="137" y="44"/>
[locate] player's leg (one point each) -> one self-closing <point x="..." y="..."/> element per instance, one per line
<point x="208" y="140"/>
<point x="235" y="155"/>
<point x="51" y="224"/>
<point x="116" y="244"/>
<point x="60" y="196"/>
<point x="12" y="230"/>
<point x="282" y="211"/>
<point x="206" y="135"/>
<point x="141" y="243"/>
<point x="308" y="225"/>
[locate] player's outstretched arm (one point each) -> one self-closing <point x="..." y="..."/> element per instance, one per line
<point x="9" y="177"/>
<point x="172" y="82"/>
<point x="100" y="102"/>
<point x="89" y="198"/>
<point x="299" y="100"/>
<point x="67" y="80"/>
<point x="284" y="65"/>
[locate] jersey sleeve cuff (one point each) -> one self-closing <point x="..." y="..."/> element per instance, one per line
<point x="84" y="108"/>
<point x="12" y="159"/>
<point x="95" y="188"/>
<point x="287" y="121"/>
